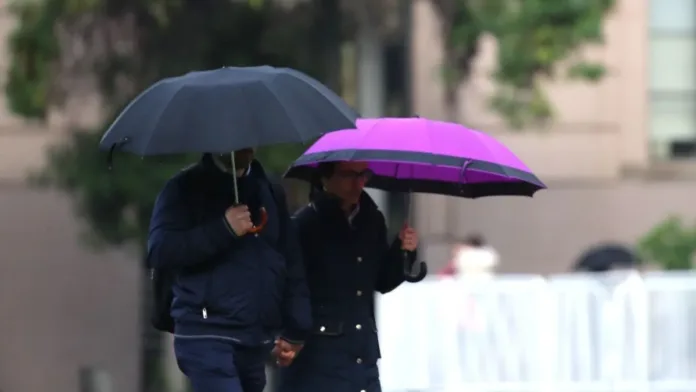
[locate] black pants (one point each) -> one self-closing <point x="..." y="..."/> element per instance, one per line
<point x="352" y="378"/>
<point x="220" y="365"/>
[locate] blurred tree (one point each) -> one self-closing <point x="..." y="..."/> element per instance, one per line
<point x="536" y="40"/>
<point x="671" y="244"/>
<point x="126" y="45"/>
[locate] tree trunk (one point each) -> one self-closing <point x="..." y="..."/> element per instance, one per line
<point x="152" y="357"/>
<point x="451" y="109"/>
<point x="328" y="29"/>
<point x="371" y="83"/>
<point x="452" y="103"/>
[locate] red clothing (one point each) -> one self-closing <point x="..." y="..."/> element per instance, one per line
<point x="449" y="270"/>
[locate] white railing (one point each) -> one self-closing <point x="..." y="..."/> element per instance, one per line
<point x="572" y="333"/>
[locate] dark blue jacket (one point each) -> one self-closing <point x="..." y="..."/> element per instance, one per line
<point x="246" y="288"/>
<point x="346" y="265"/>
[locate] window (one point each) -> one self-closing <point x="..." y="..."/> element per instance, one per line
<point x="672" y="60"/>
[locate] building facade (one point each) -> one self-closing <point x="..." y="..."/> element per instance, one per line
<point x="618" y="158"/>
<point x="66" y="312"/>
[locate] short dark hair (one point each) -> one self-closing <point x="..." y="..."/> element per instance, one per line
<point x="324" y="170"/>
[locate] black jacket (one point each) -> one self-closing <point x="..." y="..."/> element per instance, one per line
<point x="346" y="264"/>
<point x="245" y="288"/>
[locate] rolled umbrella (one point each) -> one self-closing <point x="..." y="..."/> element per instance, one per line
<point x="426" y="156"/>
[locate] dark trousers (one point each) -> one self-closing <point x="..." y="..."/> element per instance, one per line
<point x="220" y="365"/>
<point x="320" y="379"/>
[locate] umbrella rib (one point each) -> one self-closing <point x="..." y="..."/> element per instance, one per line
<point x="285" y="110"/>
<point x="160" y="121"/>
<point x="482" y="142"/>
<point x="431" y="145"/>
<point x="252" y="120"/>
<point x="159" y="118"/>
<point x="315" y="88"/>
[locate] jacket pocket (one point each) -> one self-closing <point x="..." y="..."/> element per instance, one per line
<point x="328" y="328"/>
<point x="190" y="288"/>
<point x="272" y="290"/>
<point x="328" y="346"/>
<point x="230" y="289"/>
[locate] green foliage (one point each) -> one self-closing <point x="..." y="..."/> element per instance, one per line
<point x="34" y="48"/>
<point x="171" y="37"/>
<point x="174" y="37"/>
<point x="116" y="203"/>
<point x="276" y="159"/>
<point x="535" y="39"/>
<point x="671" y="244"/>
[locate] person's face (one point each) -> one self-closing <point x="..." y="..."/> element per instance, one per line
<point x="242" y="158"/>
<point x="348" y="181"/>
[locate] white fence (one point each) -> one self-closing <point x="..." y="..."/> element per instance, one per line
<point x="572" y="333"/>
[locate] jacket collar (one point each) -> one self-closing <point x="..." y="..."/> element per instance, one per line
<point x="255" y="169"/>
<point x="329" y="206"/>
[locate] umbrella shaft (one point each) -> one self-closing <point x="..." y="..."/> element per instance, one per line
<point x="234" y="178"/>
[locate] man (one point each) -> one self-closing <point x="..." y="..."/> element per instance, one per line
<point x="348" y="258"/>
<point x="235" y="290"/>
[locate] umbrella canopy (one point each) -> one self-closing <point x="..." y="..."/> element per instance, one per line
<point x="227" y="109"/>
<point x="602" y="258"/>
<point x="421" y="155"/>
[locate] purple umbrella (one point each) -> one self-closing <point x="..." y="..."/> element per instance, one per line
<point x="421" y="155"/>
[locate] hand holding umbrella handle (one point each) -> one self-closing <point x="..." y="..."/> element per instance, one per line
<point x="258" y="227"/>
<point x="408" y="266"/>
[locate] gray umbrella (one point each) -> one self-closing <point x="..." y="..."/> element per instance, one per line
<point x="227" y="109"/>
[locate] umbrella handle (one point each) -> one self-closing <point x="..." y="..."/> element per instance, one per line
<point x="258" y="227"/>
<point x="408" y="266"/>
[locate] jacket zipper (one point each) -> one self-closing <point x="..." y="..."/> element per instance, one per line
<point x="204" y="308"/>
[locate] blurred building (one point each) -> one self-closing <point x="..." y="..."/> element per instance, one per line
<point x="65" y="312"/>
<point x="618" y="159"/>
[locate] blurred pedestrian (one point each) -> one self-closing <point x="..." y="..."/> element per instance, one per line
<point x="473" y="257"/>
<point x="348" y="258"/>
<point x="233" y="292"/>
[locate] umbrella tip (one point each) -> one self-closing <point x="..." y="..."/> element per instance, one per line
<point x="110" y="156"/>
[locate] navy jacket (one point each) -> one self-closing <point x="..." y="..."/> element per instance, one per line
<point x="346" y="263"/>
<point x="246" y="288"/>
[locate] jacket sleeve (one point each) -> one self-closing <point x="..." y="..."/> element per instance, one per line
<point x="296" y="308"/>
<point x="297" y="313"/>
<point x="173" y="242"/>
<point x="391" y="270"/>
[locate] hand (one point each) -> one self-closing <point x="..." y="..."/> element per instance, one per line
<point x="239" y="219"/>
<point x="285" y="352"/>
<point x="409" y="238"/>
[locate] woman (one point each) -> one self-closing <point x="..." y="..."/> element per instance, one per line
<point x="347" y="259"/>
